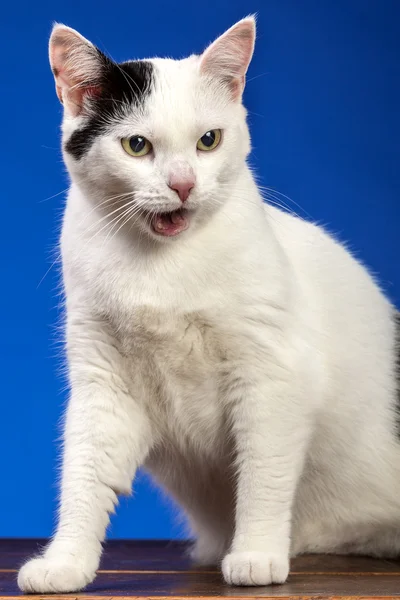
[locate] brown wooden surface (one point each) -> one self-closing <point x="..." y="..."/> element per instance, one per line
<point x="160" y="570"/>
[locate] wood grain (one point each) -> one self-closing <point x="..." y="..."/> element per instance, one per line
<point x="155" y="570"/>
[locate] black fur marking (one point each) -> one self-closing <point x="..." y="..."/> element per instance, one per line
<point x="127" y="83"/>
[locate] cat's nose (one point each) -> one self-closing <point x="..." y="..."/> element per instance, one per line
<point x="182" y="187"/>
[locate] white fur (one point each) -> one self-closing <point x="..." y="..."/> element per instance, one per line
<point x="248" y="364"/>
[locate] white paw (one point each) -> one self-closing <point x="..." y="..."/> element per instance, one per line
<point x="50" y="575"/>
<point x="255" y="568"/>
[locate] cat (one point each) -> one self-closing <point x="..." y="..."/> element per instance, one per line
<point x="237" y="352"/>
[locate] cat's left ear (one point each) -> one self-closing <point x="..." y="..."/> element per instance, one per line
<point x="228" y="58"/>
<point x="77" y="66"/>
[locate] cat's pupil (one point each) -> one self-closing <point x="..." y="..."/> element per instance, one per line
<point x="208" y="139"/>
<point x="137" y="143"/>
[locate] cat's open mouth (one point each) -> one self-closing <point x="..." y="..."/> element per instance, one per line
<point x="170" y="223"/>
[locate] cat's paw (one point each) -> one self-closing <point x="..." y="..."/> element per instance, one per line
<point x="50" y="575"/>
<point x="255" y="568"/>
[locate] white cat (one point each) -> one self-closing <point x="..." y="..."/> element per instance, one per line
<point x="237" y="352"/>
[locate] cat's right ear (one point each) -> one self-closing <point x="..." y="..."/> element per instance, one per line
<point x="77" y="67"/>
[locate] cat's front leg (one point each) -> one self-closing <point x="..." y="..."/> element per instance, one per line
<point x="107" y="436"/>
<point x="271" y="429"/>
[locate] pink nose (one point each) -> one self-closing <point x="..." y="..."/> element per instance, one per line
<point x="182" y="187"/>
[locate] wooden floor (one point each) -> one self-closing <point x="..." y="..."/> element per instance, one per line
<point x="160" y="570"/>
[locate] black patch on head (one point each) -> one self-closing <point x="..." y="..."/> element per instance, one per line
<point x="127" y="83"/>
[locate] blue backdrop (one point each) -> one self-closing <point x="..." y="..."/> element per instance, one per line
<point x="323" y="94"/>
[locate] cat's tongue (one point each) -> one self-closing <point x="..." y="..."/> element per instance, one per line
<point x="170" y="223"/>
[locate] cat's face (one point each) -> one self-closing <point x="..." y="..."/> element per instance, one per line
<point x="158" y="143"/>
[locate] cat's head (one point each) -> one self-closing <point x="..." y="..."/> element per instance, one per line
<point x="159" y="142"/>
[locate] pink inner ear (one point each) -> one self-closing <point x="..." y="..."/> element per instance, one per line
<point x="92" y="90"/>
<point x="237" y="86"/>
<point x="58" y="55"/>
<point x="229" y="56"/>
<point x="74" y="64"/>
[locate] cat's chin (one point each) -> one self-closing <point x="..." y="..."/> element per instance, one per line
<point x="169" y="224"/>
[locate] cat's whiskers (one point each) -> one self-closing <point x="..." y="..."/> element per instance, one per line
<point x="272" y="201"/>
<point x="108" y="214"/>
<point x="109" y="200"/>
<point x="53" y="196"/>
<point x="269" y="196"/>
<point x="272" y="190"/>
<point x="125" y="219"/>
<point x="107" y="224"/>
<point x="55" y="261"/>
<point x="237" y="195"/>
<point x="130" y="212"/>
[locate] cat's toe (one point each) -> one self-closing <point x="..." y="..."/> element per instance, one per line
<point x="255" y="568"/>
<point x="47" y="576"/>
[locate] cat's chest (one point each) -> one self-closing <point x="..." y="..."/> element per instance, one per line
<point x="177" y="362"/>
<point x="175" y="334"/>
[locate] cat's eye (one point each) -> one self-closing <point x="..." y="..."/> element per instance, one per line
<point x="209" y="140"/>
<point x="137" y="145"/>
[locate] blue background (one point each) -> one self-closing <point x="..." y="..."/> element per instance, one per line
<point x="323" y="93"/>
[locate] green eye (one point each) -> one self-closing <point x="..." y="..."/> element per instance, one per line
<point x="209" y="140"/>
<point x="136" y="145"/>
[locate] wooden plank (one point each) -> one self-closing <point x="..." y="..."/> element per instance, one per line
<point x="156" y="570"/>
<point x="91" y="597"/>
<point x="195" y="586"/>
<point x="166" y="555"/>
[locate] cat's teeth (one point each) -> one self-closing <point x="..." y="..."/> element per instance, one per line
<point x="160" y="225"/>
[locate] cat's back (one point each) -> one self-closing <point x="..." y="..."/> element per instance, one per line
<point x="354" y="319"/>
<point x="325" y="266"/>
